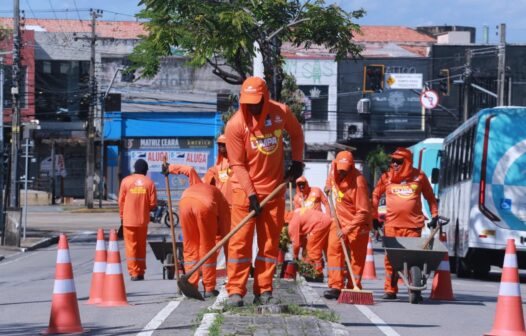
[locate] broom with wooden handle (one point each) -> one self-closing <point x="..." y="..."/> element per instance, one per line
<point x="187" y="288"/>
<point x="355" y="295"/>
<point x="172" y="230"/>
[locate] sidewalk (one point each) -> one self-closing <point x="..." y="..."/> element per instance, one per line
<point x="46" y="222"/>
<point x="301" y="312"/>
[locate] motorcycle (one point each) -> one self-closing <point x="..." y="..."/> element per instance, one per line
<point x="160" y="214"/>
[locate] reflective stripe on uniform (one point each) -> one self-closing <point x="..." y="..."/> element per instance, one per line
<point x="334" y="268"/>
<point x="239" y="261"/>
<point x="268" y="260"/>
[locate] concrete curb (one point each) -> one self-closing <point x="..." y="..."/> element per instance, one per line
<point x="42" y="243"/>
<point x="311" y="296"/>
<point x="206" y="323"/>
<point x="45" y="242"/>
<point x="94" y="210"/>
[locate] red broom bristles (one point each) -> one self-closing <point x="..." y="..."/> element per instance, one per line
<point x="355" y="296"/>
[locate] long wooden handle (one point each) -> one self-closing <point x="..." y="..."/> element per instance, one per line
<point x="425" y="245"/>
<point x="344" y="248"/>
<point x="235" y="230"/>
<point x="172" y="229"/>
<point x="290" y="197"/>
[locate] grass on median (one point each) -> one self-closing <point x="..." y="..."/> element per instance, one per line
<point x="215" y="328"/>
<point x="292" y="309"/>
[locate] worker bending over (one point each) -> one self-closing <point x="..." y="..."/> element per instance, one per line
<point x="313" y="226"/>
<point x="204" y="214"/>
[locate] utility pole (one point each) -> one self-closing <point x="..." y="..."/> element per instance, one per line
<point x="501" y="71"/>
<point x="90" y="144"/>
<point x="2" y="222"/>
<point x="467" y="85"/>
<point x="14" y="194"/>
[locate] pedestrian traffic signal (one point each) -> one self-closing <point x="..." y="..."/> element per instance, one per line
<point x="373" y="78"/>
<point x="444" y="82"/>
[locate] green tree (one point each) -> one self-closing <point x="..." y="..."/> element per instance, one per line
<point x="222" y="33"/>
<point x="378" y="162"/>
<point x="293" y="97"/>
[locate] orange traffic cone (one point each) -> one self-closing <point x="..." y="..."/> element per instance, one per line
<point x="113" y="291"/>
<point x="509" y="318"/>
<point x="442" y="288"/>
<point x="65" y="316"/>
<point x="369" y="271"/>
<point x="99" y="270"/>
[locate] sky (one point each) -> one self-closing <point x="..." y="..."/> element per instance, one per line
<point x="409" y="13"/>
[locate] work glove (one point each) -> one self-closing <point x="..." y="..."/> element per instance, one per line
<point x="295" y="170"/>
<point x="433" y="223"/>
<point x="254" y="204"/>
<point x="165" y="170"/>
<point x="377" y="225"/>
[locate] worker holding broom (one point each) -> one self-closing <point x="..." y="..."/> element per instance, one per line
<point x="204" y="213"/>
<point x="309" y="197"/>
<point x="254" y="140"/>
<point x="137" y="197"/>
<point x="403" y="186"/>
<point x="313" y="226"/>
<point x="350" y="192"/>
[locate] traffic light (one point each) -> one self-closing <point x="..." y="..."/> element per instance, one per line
<point x="373" y="78"/>
<point x="443" y="85"/>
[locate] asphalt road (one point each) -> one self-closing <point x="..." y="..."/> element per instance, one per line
<point x="26" y="282"/>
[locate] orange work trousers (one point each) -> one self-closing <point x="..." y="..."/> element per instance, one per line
<point x="391" y="279"/>
<point x="135" y="246"/>
<point x="356" y="241"/>
<point x="316" y="244"/>
<point x="199" y="226"/>
<point x="268" y="225"/>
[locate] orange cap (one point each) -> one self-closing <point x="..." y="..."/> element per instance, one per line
<point x="402" y="153"/>
<point x="252" y="90"/>
<point x="344" y="161"/>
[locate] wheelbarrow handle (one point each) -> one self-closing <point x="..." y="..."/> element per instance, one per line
<point x="172" y="228"/>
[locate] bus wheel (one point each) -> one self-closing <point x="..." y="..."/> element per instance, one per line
<point x="463" y="269"/>
<point x="481" y="269"/>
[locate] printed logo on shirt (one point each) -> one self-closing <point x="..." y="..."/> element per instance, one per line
<point x="404" y="191"/>
<point x="223" y="175"/>
<point x="277" y="119"/>
<point x="138" y="188"/>
<point x="266" y="144"/>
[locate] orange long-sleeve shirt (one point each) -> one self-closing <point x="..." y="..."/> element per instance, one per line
<point x="222" y="175"/>
<point x="137" y="196"/>
<point x="211" y="198"/>
<point x="305" y="221"/>
<point x="403" y="200"/>
<point x="313" y="199"/>
<point x="255" y="146"/>
<point x="188" y="171"/>
<point x="352" y="201"/>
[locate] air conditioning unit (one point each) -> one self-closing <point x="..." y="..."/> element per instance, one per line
<point x="353" y="130"/>
<point x="364" y="106"/>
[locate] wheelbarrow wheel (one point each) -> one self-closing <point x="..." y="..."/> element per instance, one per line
<point x="169" y="266"/>
<point x="415" y="297"/>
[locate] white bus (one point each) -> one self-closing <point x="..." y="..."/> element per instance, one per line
<point x="482" y="189"/>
